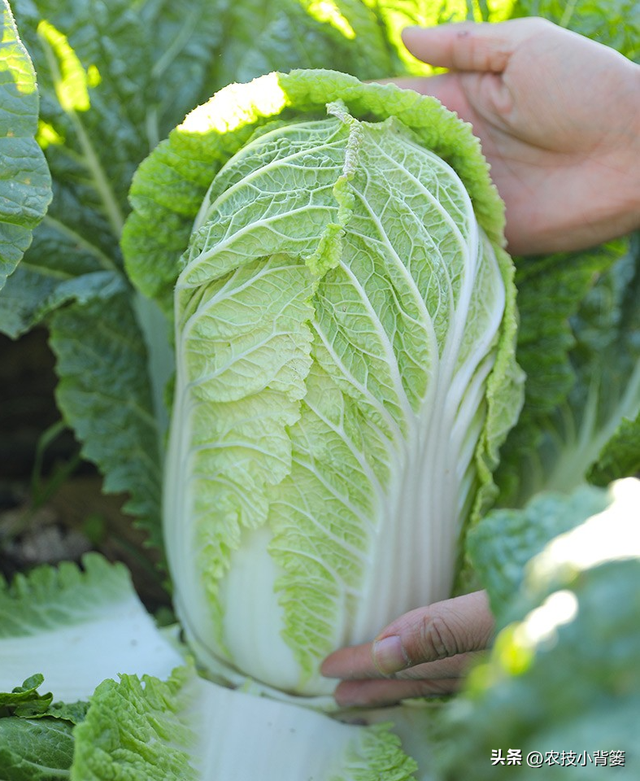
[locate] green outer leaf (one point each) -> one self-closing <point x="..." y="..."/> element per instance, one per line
<point x="505" y="390"/>
<point x="98" y="122"/>
<point x="105" y="396"/>
<point x="48" y="597"/>
<point x="73" y="712"/>
<point x="35" y="750"/>
<point x="503" y="542"/>
<point x="574" y="688"/>
<point x="51" y="614"/>
<point x="550" y="293"/>
<point x="25" y="183"/>
<point x="170" y="185"/>
<point x="376" y="754"/>
<point x="137" y="728"/>
<point x="287" y="34"/>
<point x="93" y="132"/>
<point x="621" y="455"/>
<point x="185" y="37"/>
<point x="24" y="701"/>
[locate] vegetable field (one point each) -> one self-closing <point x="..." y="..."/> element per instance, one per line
<point x="269" y="379"/>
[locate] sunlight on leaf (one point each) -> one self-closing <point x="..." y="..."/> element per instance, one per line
<point x="541" y="624"/>
<point x="94" y="79"/>
<point x="237" y="105"/>
<point x="47" y="135"/>
<point x="515" y="658"/>
<point x="499" y="10"/>
<point x="610" y="535"/>
<point x="71" y="81"/>
<point x="12" y="62"/>
<point x="328" y="11"/>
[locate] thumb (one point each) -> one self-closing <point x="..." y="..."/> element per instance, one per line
<point x="443" y="629"/>
<point x="471" y="46"/>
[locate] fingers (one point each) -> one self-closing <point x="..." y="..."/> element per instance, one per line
<point x="350" y="663"/>
<point x="451" y="667"/>
<point x="427" y="651"/>
<point x="444" y="629"/>
<point x="356" y="663"/>
<point x="372" y="693"/>
<point x="443" y="676"/>
<point x="470" y="46"/>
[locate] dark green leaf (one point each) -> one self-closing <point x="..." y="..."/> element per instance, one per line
<point x="563" y="675"/>
<point x="24" y="701"/>
<point x="502" y="543"/>
<point x="579" y="344"/>
<point x="621" y="455"/>
<point x="35" y="750"/>
<point x="104" y="395"/>
<point x="25" y="184"/>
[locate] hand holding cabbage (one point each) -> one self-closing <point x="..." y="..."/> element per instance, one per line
<point x="537" y="129"/>
<point x="559" y="120"/>
<point x="425" y="652"/>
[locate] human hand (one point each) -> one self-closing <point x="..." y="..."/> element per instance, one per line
<point x="558" y="116"/>
<point x="424" y="652"/>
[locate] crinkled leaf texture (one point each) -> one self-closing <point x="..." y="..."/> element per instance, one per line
<point x="563" y="675"/>
<point x="36" y="740"/>
<point x="504" y="541"/>
<point x="83" y="629"/>
<point x="621" y="454"/>
<point x="104" y="394"/>
<point x="78" y="628"/>
<point x="583" y="388"/>
<point x="25" y="183"/>
<point x="35" y="749"/>
<point x="345" y="372"/>
<point x="189" y="729"/>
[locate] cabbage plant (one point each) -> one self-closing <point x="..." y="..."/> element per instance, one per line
<point x="344" y="327"/>
<point x="344" y="335"/>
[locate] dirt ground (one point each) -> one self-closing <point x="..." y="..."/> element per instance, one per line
<point x="51" y="503"/>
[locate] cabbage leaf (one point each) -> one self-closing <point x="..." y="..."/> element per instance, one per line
<point x="25" y="183"/>
<point x="77" y="628"/>
<point x="582" y="396"/>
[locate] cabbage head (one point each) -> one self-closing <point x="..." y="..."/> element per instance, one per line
<point x="344" y="335"/>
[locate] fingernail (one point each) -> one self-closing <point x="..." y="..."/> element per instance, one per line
<point x="389" y="656"/>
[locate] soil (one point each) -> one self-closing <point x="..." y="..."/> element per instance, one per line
<point x="52" y="507"/>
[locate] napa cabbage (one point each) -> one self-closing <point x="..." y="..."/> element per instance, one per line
<point x="344" y="337"/>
